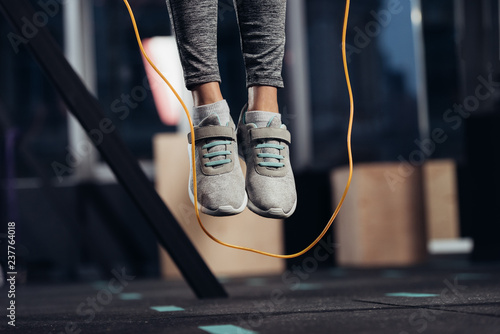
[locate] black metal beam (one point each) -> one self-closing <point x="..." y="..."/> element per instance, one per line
<point x="86" y="109"/>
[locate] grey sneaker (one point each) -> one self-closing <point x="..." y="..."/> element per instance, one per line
<point x="221" y="185"/>
<point x="270" y="183"/>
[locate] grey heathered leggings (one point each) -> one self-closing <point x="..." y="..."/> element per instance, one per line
<point x="262" y="31"/>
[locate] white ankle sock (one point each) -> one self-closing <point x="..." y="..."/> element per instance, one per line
<point x="221" y="108"/>
<point x="261" y="118"/>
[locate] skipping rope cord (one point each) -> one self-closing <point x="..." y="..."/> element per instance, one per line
<point x="349" y="150"/>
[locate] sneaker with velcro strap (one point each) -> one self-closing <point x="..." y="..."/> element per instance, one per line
<point x="220" y="181"/>
<point x="270" y="183"/>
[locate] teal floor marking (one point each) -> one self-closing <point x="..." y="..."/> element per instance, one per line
<point x="98" y="285"/>
<point x="169" y="308"/>
<point x="130" y="296"/>
<point x="391" y="273"/>
<point x="308" y="286"/>
<point x="338" y="272"/>
<point x="472" y="276"/>
<point x="410" y="294"/>
<point x="226" y="329"/>
<point x="223" y="279"/>
<point x="256" y="281"/>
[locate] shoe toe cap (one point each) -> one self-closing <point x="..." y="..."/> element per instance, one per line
<point x="276" y="195"/>
<point x="224" y="193"/>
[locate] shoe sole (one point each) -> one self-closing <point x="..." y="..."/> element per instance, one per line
<point x="224" y="210"/>
<point x="276" y="213"/>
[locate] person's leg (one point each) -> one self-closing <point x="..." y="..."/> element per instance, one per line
<point x="263" y="140"/>
<point x="263" y="98"/>
<point x="195" y="26"/>
<point x="220" y="181"/>
<point x="206" y="93"/>
<point x="262" y="29"/>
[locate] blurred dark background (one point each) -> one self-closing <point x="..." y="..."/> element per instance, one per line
<point x="405" y="80"/>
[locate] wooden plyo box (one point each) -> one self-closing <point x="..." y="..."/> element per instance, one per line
<point x="382" y="220"/>
<point x="245" y="229"/>
<point x="441" y="199"/>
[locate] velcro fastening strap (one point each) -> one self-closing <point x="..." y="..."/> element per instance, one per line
<point x="271" y="133"/>
<point x="213" y="131"/>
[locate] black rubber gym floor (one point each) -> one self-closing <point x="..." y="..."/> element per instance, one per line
<point x="453" y="297"/>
